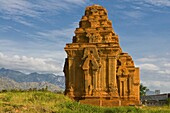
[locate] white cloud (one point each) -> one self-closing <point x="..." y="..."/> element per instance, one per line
<point x="29" y="64"/>
<point x="152" y="2"/>
<point x="155" y="72"/>
<point x="17" y="7"/>
<point x="152" y="59"/>
<point x="159" y="2"/>
<point x="33" y="9"/>
<point x="5" y="42"/>
<point x="158" y="64"/>
<point x="167" y="65"/>
<point x="16" y="10"/>
<point x="57" y="34"/>
<point x="149" y="67"/>
<point x="166" y="68"/>
<point x="144" y="6"/>
<point x="157" y="85"/>
<point x="134" y="14"/>
<point x="164" y="71"/>
<point x="44" y="49"/>
<point x="5" y="28"/>
<point x="146" y="59"/>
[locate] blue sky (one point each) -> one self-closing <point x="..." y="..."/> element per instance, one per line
<point x="33" y="34"/>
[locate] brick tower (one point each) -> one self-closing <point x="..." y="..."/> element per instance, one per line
<point x="96" y="70"/>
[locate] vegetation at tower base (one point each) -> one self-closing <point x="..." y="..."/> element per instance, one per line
<point x="48" y="102"/>
<point x="96" y="69"/>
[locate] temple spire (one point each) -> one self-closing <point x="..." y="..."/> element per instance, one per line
<point x="95" y="27"/>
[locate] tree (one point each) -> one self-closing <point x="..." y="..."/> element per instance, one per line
<point x="168" y="102"/>
<point x="143" y="90"/>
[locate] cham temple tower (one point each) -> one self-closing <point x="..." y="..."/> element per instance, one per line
<point x="97" y="72"/>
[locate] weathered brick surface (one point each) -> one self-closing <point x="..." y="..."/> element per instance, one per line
<point x="97" y="71"/>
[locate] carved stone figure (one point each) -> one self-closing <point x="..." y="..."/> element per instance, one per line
<point x="96" y="69"/>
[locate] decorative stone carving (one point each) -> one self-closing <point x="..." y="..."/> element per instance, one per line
<point x="106" y="24"/>
<point x="90" y="57"/>
<point x="108" y="38"/>
<point x="122" y="71"/>
<point x="95" y="24"/>
<point x="97" y="72"/>
<point x="94" y="37"/>
<point x="94" y="12"/>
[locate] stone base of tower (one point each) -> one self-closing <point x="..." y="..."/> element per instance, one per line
<point x="99" y="102"/>
<point x="107" y="101"/>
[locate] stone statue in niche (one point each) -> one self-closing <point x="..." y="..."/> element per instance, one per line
<point x="90" y="67"/>
<point x="90" y="56"/>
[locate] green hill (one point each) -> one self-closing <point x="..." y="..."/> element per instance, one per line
<point x="48" y="102"/>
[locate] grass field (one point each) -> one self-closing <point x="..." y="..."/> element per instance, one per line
<point x="48" y="102"/>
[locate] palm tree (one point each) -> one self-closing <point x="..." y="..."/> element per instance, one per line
<point x="143" y="90"/>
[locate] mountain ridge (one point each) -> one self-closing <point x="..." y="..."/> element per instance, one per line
<point x="19" y="77"/>
<point x="8" y="84"/>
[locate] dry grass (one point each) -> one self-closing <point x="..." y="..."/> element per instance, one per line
<point x="48" y="102"/>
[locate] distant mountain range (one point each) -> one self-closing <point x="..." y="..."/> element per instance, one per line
<point x="11" y="79"/>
